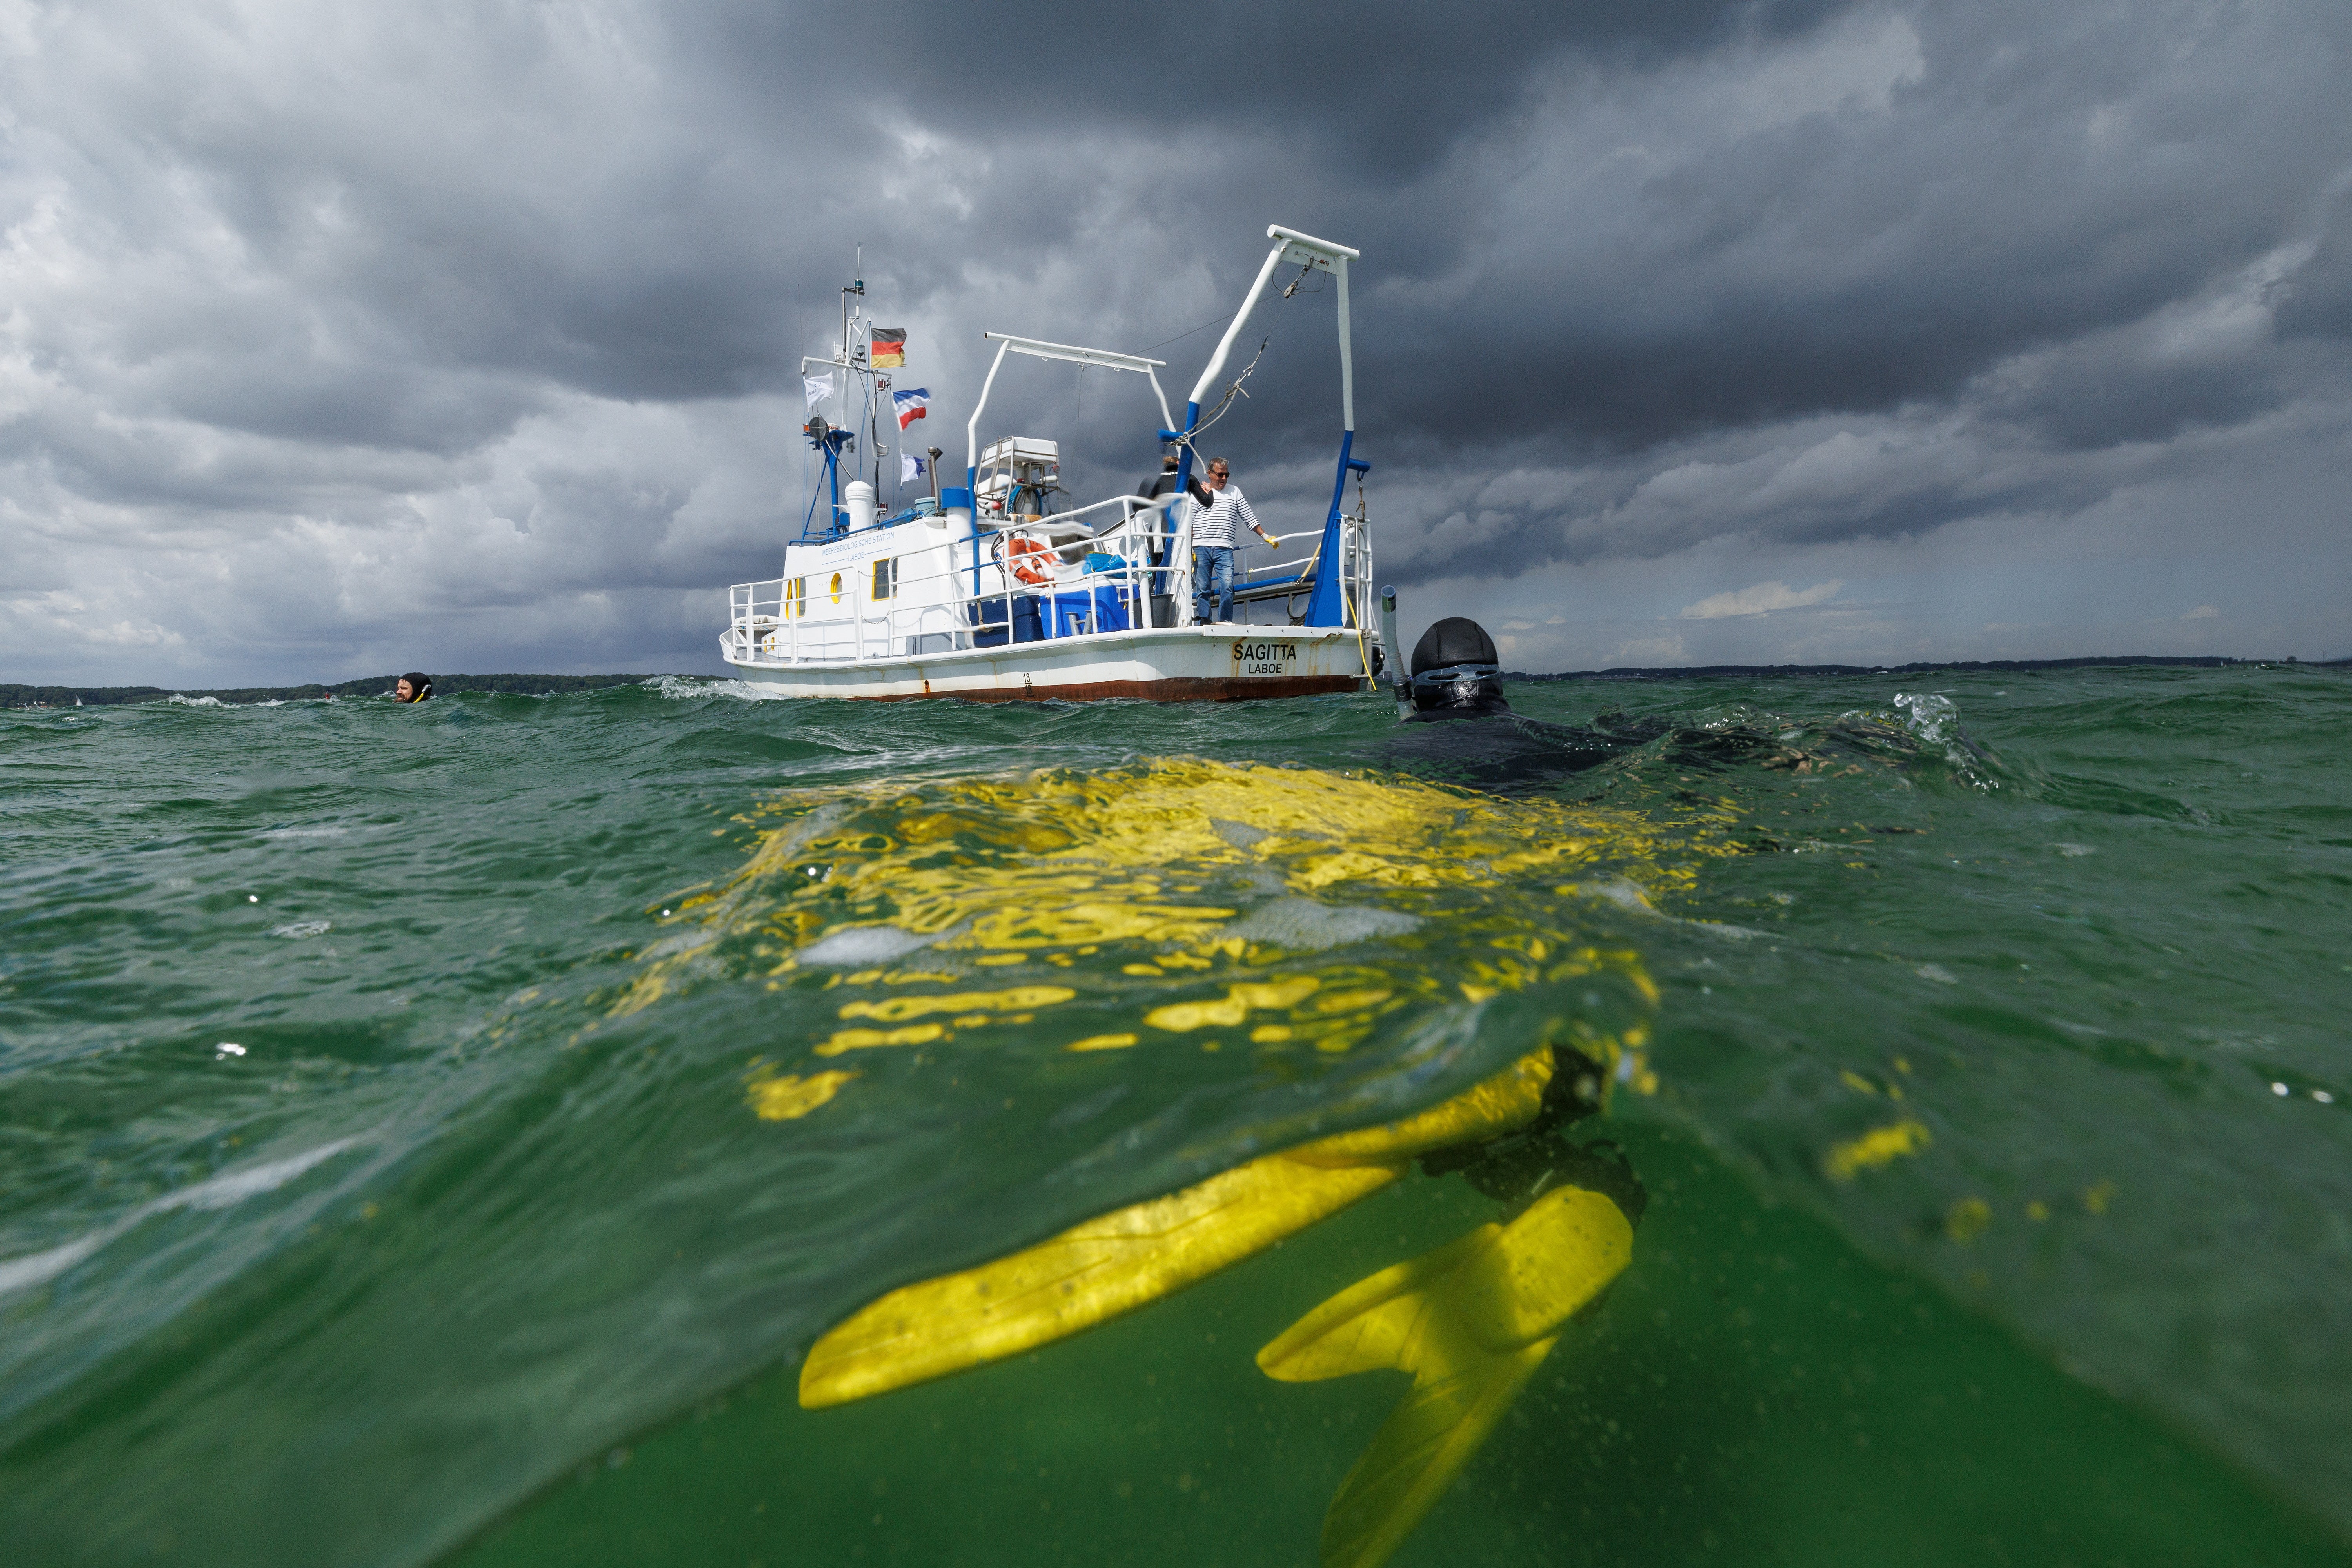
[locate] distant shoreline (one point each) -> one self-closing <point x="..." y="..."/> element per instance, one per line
<point x="16" y="696"/>
<point x="1948" y="666"/>
<point x="22" y="696"/>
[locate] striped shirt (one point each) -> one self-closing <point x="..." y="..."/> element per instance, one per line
<point x="1215" y="524"/>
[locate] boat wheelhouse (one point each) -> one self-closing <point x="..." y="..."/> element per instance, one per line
<point x="1007" y="588"/>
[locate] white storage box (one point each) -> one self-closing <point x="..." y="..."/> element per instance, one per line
<point x="1022" y="449"/>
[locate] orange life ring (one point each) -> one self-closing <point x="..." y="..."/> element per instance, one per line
<point x="1023" y="548"/>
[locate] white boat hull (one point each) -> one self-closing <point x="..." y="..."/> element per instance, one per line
<point x="1181" y="664"/>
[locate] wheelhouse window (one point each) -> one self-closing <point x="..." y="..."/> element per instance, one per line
<point x="886" y="577"/>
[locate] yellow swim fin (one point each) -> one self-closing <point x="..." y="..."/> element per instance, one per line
<point x="1085" y="1276"/>
<point x="1470" y="1321"/>
<point x="1132" y="1257"/>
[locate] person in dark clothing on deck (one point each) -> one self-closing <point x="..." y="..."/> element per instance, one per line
<point x="1162" y="529"/>
<point x="1164" y="482"/>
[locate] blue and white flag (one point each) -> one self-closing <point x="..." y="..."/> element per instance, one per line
<point x="909" y="406"/>
<point x="912" y="467"/>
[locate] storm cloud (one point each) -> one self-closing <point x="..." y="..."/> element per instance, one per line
<point x="469" y="335"/>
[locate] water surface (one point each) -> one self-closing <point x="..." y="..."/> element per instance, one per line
<point x="442" y="1130"/>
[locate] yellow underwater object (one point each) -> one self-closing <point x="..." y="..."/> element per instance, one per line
<point x="1470" y="1321"/>
<point x="1153" y="864"/>
<point x="1282" y="917"/>
<point x="1088" y="1275"/>
<point x="1128" y="1258"/>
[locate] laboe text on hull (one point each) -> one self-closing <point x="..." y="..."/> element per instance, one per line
<point x="1003" y="589"/>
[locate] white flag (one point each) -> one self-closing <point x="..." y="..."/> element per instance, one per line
<point x="911" y="467"/>
<point x="817" y="388"/>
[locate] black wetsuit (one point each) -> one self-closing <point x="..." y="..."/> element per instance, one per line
<point x="1463" y="730"/>
<point x="1504" y="752"/>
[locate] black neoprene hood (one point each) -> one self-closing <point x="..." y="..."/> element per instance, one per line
<point x="1456" y="639"/>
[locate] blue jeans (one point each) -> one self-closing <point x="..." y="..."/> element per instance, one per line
<point x="1212" y="578"/>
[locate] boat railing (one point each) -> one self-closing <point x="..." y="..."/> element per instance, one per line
<point x="1294" y="579"/>
<point x="1131" y="505"/>
<point x="1289" y="580"/>
<point x="793" y="620"/>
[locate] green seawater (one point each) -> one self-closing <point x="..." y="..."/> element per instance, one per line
<point x="1980" y="1041"/>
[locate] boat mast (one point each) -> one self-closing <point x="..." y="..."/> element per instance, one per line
<point x="830" y="442"/>
<point x="857" y="286"/>
<point x="1303" y="250"/>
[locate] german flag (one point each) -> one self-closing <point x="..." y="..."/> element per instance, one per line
<point x="889" y="348"/>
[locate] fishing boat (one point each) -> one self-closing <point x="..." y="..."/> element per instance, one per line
<point x="1007" y="588"/>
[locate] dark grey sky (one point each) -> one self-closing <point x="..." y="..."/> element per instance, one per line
<point x="467" y="336"/>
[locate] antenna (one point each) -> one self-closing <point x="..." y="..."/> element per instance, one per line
<point x="856" y="285"/>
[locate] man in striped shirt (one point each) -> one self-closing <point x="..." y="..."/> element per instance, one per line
<point x="1215" y="512"/>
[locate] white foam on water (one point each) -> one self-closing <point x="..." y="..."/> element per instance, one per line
<point x="297" y="930"/>
<point x="861" y="946"/>
<point x="224" y="1191"/>
<point x="1240" y="835"/>
<point x="694" y="688"/>
<point x="282" y="833"/>
<point x="684" y="942"/>
<point x="1934" y="719"/>
<point x="1630" y="898"/>
<point x="1621" y="893"/>
<point x="1302" y="925"/>
<point x="235" y="1186"/>
<point x="1927" y="714"/>
<point x="195" y="701"/>
<point x="39" y="1267"/>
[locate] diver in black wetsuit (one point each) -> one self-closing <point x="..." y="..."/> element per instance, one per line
<point x="1456" y="674"/>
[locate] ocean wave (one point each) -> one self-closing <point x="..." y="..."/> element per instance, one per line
<point x="695" y="688"/>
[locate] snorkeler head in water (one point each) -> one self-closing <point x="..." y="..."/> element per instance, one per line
<point x="1456" y="673"/>
<point x="413" y="688"/>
